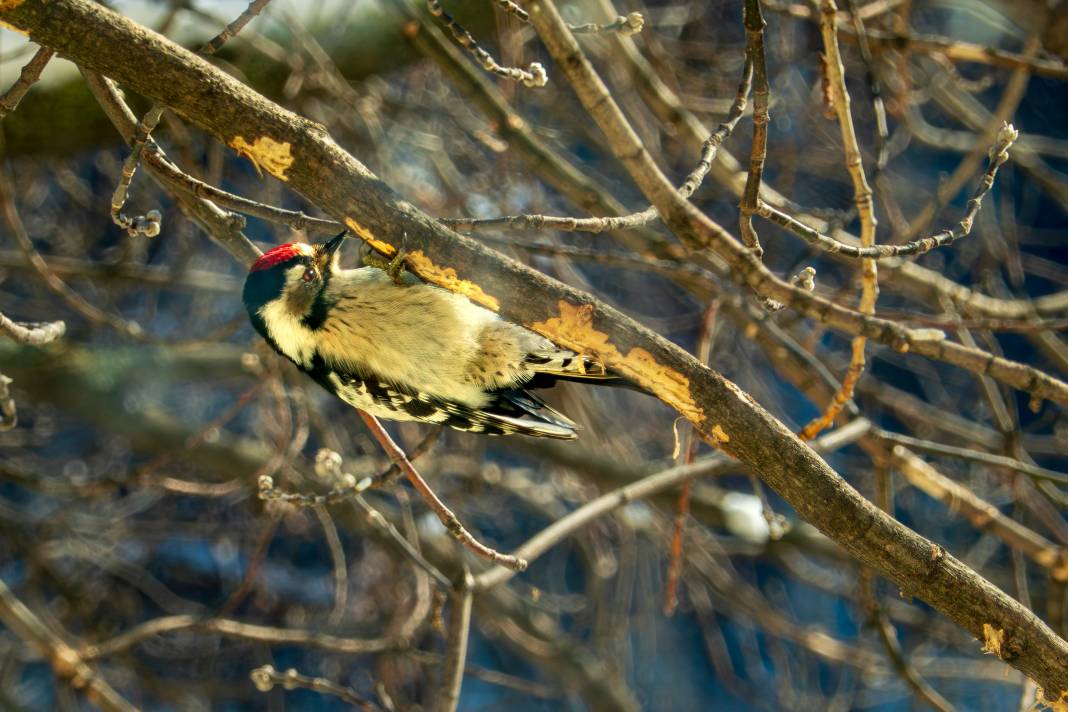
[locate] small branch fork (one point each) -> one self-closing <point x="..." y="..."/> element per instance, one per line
<point x="158" y="162"/>
<point x="448" y="519"/>
<point x="635" y="220"/>
<point x="27" y="78"/>
<point x="149" y="224"/>
<point x="999" y="153"/>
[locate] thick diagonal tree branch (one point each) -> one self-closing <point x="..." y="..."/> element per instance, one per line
<point x="300" y="153"/>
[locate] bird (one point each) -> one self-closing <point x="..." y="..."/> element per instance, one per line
<point x="391" y="345"/>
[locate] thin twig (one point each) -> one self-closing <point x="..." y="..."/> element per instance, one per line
<point x="149" y="224"/>
<point x="459" y="627"/>
<point x="253" y="565"/>
<point x="448" y="519"/>
<point x="689" y="186"/>
<point x="31" y="334"/>
<point x="986" y="458"/>
<point x="29" y="75"/>
<point x="533" y="76"/>
<point x="991" y="134"/>
<point x="753" y="19"/>
<point x="981" y="514"/>
<point x="641" y="489"/>
<point x="242" y="631"/>
<point x="999" y="153"/>
<point x="390" y="475"/>
<point x="862" y="197"/>
<point x="878" y="618"/>
<point x="54" y="283"/>
<point x="376" y="519"/>
<point x="875" y="88"/>
<point x="65" y="661"/>
<point x="337" y="558"/>
<point x="225" y="228"/>
<point x="215" y="43"/>
<point x="266" y="677"/>
<point x="689" y="452"/>
<point x="628" y="25"/>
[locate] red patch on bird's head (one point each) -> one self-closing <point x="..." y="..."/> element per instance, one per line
<point x="280" y="254"/>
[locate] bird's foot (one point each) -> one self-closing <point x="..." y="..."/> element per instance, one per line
<point x="393" y="267"/>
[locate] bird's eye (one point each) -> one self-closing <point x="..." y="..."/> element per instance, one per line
<point x="309" y="275"/>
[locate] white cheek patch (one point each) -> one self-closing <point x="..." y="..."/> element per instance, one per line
<point x="293" y="338"/>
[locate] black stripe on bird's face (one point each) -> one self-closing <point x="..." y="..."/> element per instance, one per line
<point x="261" y="287"/>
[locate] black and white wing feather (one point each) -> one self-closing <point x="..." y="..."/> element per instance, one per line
<point x="511" y="411"/>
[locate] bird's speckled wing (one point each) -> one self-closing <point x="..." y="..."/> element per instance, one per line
<point x="509" y="412"/>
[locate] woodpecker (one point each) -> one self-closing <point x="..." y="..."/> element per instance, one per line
<point x="401" y="349"/>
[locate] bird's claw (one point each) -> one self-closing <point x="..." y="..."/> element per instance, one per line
<point x="393" y="267"/>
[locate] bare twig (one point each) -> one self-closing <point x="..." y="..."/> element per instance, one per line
<point x="255" y="7"/>
<point x="54" y="283"/>
<point x="65" y="660"/>
<point x="533" y="76"/>
<point x="243" y="631"/>
<point x="982" y="514"/>
<point x="689" y="186"/>
<point x="986" y="458"/>
<point x="149" y="224"/>
<point x="862" y="197"/>
<point x="754" y="53"/>
<point x="9" y="101"/>
<point x="340" y="566"/>
<point x="628" y="25"/>
<point x="888" y="636"/>
<point x="689" y="451"/>
<point x="641" y="489"/>
<point x="458" y="628"/>
<point x="266" y="677"/>
<point x="999" y="153"/>
<point x="32" y="334"/>
<point x="448" y="519"/>
<point x="222" y="226"/>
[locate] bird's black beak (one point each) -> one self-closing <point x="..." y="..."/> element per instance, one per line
<point x="329" y="248"/>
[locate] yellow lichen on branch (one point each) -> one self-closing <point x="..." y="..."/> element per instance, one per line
<point x="573" y="329"/>
<point x="266" y="154"/>
<point x="369" y="237"/>
<point x="446" y="277"/>
<point x="993" y="639"/>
